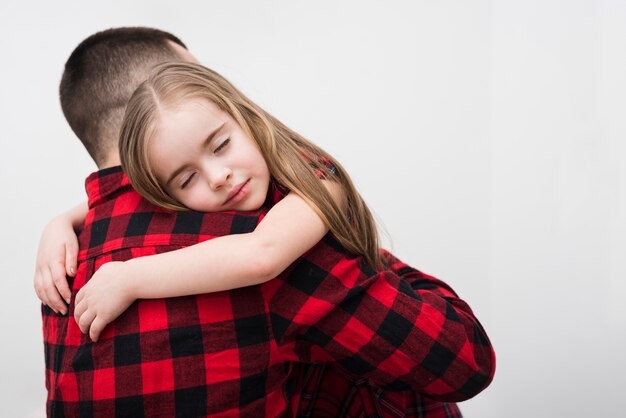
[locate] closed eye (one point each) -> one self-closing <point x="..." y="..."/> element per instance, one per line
<point x="222" y="145"/>
<point x="186" y="182"/>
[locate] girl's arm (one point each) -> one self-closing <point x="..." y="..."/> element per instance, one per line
<point x="288" y="230"/>
<point x="56" y="258"/>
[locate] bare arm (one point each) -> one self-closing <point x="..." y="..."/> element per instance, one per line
<point x="56" y="258"/>
<point x="288" y="230"/>
<point x="77" y="215"/>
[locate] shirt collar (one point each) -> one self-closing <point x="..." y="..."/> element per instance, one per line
<point x="103" y="183"/>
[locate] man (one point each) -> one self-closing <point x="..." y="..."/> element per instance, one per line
<point x="239" y="353"/>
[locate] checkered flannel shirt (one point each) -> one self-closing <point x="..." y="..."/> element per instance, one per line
<point x="326" y="391"/>
<point x="232" y="353"/>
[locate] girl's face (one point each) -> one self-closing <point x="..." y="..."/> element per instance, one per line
<point x="204" y="159"/>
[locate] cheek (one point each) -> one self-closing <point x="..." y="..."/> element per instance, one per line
<point x="202" y="199"/>
<point x="261" y="172"/>
<point x="260" y="163"/>
<point x="197" y="201"/>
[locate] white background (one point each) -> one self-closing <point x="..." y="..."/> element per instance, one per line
<point x="488" y="136"/>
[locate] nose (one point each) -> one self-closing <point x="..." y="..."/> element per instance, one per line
<point x="217" y="176"/>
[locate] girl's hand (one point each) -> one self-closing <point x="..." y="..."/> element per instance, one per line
<point x="105" y="296"/>
<point x="56" y="258"/>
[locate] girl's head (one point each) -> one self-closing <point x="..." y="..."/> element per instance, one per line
<point x="202" y="159"/>
<point x="190" y="139"/>
<point x="187" y="141"/>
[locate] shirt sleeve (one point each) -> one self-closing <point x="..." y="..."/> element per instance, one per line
<point x="400" y="328"/>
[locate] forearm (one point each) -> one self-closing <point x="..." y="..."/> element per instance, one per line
<point x="76" y="216"/>
<point x="288" y="230"/>
<point x="417" y="279"/>
<point x="450" y="355"/>
<point x="215" y="265"/>
<point x="437" y="293"/>
<point x="379" y="327"/>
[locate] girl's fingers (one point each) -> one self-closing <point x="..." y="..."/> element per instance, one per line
<point x="37" y="285"/>
<point x="60" y="281"/>
<point x="85" y="320"/>
<point x="96" y="328"/>
<point x="79" y="310"/>
<point x="53" y="298"/>
<point x="79" y="296"/>
<point x="71" y="255"/>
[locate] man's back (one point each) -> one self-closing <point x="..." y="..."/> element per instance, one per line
<point x="156" y="355"/>
<point x="229" y="353"/>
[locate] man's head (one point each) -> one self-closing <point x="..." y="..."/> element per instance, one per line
<point x="101" y="75"/>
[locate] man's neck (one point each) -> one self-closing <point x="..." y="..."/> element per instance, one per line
<point x="112" y="160"/>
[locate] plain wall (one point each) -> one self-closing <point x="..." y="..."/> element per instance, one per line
<point x="488" y="137"/>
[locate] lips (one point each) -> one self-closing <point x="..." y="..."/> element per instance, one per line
<point x="235" y="191"/>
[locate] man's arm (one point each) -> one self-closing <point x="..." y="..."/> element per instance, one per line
<point x="401" y="334"/>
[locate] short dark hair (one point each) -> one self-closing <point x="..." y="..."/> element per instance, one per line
<point x="100" y="76"/>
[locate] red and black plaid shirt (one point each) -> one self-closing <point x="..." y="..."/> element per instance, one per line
<point x="233" y="353"/>
<point x="327" y="391"/>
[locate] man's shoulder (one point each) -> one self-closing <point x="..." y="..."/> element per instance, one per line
<point x="126" y="220"/>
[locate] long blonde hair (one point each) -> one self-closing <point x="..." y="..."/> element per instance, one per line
<point x="291" y="159"/>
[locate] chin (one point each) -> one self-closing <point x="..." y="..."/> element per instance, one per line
<point x="253" y="205"/>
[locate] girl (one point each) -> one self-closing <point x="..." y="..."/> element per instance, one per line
<point x="191" y="140"/>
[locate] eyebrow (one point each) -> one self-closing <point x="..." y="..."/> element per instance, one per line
<point x="206" y="143"/>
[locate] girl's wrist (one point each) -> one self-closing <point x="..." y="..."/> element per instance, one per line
<point x="132" y="278"/>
